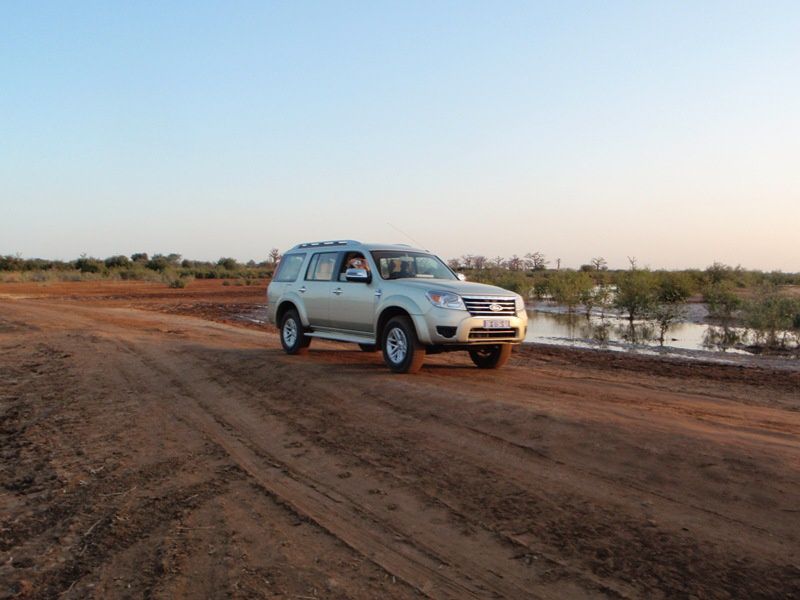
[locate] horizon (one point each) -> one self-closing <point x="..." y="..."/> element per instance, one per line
<point x="665" y="132"/>
<point x="550" y="266"/>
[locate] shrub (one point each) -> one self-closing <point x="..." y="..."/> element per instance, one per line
<point x="636" y="293"/>
<point x="113" y="262"/>
<point x="229" y="264"/>
<point x="722" y="301"/>
<point x="88" y="265"/>
<point x="569" y="288"/>
<point x="772" y="316"/>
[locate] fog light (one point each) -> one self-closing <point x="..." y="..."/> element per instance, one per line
<point x="444" y="331"/>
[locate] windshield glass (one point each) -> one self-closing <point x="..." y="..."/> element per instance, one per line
<point x="397" y="264"/>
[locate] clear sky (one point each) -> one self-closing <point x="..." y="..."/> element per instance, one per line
<point x="667" y="131"/>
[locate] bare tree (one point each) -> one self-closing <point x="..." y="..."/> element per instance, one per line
<point x="479" y="261"/>
<point x="454" y="264"/>
<point x="600" y="263"/>
<point x="537" y="261"/>
<point x="632" y="261"/>
<point x="497" y="261"/>
<point x="558" y="264"/>
<point x="514" y="263"/>
<point x="274" y="255"/>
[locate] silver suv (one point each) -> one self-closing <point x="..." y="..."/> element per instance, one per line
<point x="404" y="301"/>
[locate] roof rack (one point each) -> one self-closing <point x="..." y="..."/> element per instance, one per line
<point x="327" y="243"/>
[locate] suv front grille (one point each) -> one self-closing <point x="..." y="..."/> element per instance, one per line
<point x="480" y="333"/>
<point x="480" y="306"/>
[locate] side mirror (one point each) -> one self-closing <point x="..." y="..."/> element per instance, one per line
<point x="461" y="276"/>
<point x="358" y="275"/>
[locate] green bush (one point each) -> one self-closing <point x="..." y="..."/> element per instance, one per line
<point x="636" y="293"/>
<point x="89" y="265"/>
<point x="772" y="316"/>
<point x="569" y="288"/>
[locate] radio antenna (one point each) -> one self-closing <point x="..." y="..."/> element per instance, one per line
<point x="405" y="234"/>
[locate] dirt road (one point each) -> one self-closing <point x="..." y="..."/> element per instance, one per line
<point x="152" y="455"/>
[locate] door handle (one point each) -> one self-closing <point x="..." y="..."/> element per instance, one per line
<point x="337" y="291"/>
<point x="303" y="290"/>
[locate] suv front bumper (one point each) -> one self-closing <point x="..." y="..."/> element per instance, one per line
<point x="434" y="327"/>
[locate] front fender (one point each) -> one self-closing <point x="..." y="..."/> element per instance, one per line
<point x="409" y="306"/>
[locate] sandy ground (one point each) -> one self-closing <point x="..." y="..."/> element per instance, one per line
<point x="149" y="451"/>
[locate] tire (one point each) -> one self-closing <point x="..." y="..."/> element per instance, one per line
<point x="293" y="338"/>
<point x="368" y="347"/>
<point x="402" y="351"/>
<point x="490" y="357"/>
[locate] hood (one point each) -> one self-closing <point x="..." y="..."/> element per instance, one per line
<point x="463" y="288"/>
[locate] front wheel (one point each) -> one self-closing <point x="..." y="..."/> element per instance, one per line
<point x="402" y="351"/>
<point x="293" y="338"/>
<point x="490" y="357"/>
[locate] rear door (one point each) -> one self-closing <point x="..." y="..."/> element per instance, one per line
<point x="317" y="287"/>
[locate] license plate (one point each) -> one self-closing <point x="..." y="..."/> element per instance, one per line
<point x="496" y="324"/>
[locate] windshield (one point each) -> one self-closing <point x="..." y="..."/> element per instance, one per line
<point x="397" y="264"/>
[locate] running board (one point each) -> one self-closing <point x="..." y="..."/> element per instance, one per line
<point x="342" y="337"/>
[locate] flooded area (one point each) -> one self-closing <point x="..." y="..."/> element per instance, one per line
<point x="692" y="337"/>
<point x="553" y="325"/>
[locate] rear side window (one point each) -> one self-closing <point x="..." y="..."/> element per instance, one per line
<point x="321" y="266"/>
<point x="289" y="267"/>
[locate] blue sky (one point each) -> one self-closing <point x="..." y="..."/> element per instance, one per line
<point x="665" y="131"/>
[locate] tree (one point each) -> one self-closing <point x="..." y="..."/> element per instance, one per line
<point x="771" y="315"/>
<point x="722" y="301"/>
<point x="497" y="261"/>
<point x="454" y="264"/>
<point x="117" y="261"/>
<point x="672" y="291"/>
<point x="479" y="261"/>
<point x="159" y="262"/>
<point x="140" y="257"/>
<point x="87" y="264"/>
<point x="636" y="293"/>
<point x="514" y="263"/>
<point x="568" y="288"/>
<point x="537" y="261"/>
<point x="599" y="263"/>
<point x="274" y="256"/>
<point x="227" y="263"/>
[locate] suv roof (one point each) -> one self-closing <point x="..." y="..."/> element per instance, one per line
<point x="355" y="244"/>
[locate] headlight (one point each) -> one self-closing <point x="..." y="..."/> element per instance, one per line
<point x="519" y="304"/>
<point x="446" y="300"/>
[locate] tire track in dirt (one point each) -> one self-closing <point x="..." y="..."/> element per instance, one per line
<point x="675" y="548"/>
<point x="417" y="556"/>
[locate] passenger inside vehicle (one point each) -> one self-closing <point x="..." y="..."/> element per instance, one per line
<point x="353" y="260"/>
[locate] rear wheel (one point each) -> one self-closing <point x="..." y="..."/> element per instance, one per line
<point x="293" y="338"/>
<point x="402" y="351"/>
<point x="490" y="357"/>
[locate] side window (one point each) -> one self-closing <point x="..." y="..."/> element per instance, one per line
<point x="321" y="266"/>
<point x="289" y="267"/>
<point x="352" y="260"/>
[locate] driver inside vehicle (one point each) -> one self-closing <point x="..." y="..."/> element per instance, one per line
<point x="401" y="269"/>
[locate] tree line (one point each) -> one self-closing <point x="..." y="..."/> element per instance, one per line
<point x="171" y="268"/>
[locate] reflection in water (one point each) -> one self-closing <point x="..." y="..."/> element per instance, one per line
<point x="722" y="338"/>
<point x="606" y="331"/>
